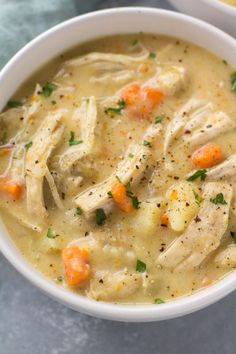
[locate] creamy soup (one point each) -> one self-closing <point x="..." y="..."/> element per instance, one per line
<point x="230" y="2"/>
<point x="118" y="162"/>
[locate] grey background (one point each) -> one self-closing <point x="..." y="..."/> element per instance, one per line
<point x="30" y="322"/>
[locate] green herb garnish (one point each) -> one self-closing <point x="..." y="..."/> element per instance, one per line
<point x="135" y="42"/>
<point x="147" y="143"/>
<point x="202" y="174"/>
<point x="28" y="145"/>
<point x="109" y="194"/>
<point x="131" y="195"/>
<point x="53" y="102"/>
<point x="100" y="216"/>
<point x="140" y="266"/>
<point x="131" y="156"/>
<point x="159" y="301"/>
<point x="78" y="211"/>
<point x="73" y="141"/>
<point x="14" y="104"/>
<point x="59" y="278"/>
<point x="48" y="89"/>
<point x="152" y="55"/>
<point x="50" y="233"/>
<point x="219" y="199"/>
<point x="116" y="110"/>
<point x="118" y="179"/>
<point x="159" y="118"/>
<point x="224" y="62"/>
<point x="233" y="81"/>
<point x="197" y="197"/>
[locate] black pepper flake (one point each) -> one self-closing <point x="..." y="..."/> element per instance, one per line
<point x="197" y="219"/>
<point x="101" y="281"/>
<point x="63" y="195"/>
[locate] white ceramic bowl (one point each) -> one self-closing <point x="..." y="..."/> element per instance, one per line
<point x="61" y="38"/>
<point x="215" y="12"/>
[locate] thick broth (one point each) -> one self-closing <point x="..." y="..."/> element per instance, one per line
<point x="124" y="237"/>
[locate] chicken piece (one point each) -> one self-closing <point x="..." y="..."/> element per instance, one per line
<point x="204" y="233"/>
<point x="130" y="168"/>
<point x="94" y="57"/>
<point x="225" y="170"/>
<point x="119" y="77"/>
<point x="227" y="257"/>
<point x="109" y="286"/>
<point x="45" y="139"/>
<point x="209" y="127"/>
<point x="87" y="116"/>
<point x="192" y="109"/>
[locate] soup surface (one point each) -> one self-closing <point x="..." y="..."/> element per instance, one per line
<point x="117" y="168"/>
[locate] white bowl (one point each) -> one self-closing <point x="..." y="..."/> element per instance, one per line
<point x="215" y="12"/>
<point x="61" y="38"/>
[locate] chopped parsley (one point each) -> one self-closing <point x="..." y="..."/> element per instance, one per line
<point x="133" y="197"/>
<point x="28" y="145"/>
<point x="53" y="102"/>
<point x="78" y="211"/>
<point x="233" y="81"/>
<point x="73" y="141"/>
<point x="59" y="278"/>
<point x="233" y="234"/>
<point x="100" y="216"/>
<point x="118" y="179"/>
<point x="116" y="110"/>
<point x="135" y="42"/>
<point x="109" y="194"/>
<point x="131" y="156"/>
<point x="197" y="197"/>
<point x="219" y="199"/>
<point x="147" y="143"/>
<point x="51" y="234"/>
<point x="202" y="174"/>
<point x="14" y="104"/>
<point x="159" y="118"/>
<point x="140" y="266"/>
<point x="48" y="89"/>
<point x="159" y="301"/>
<point x="224" y="62"/>
<point x="152" y="55"/>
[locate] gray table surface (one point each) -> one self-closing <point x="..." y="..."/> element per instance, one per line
<point x="30" y="322"/>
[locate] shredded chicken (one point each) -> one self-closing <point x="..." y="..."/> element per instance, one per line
<point x="198" y="122"/>
<point x="87" y="116"/>
<point x="170" y="79"/>
<point x="43" y="142"/>
<point x="108" y="57"/>
<point x="204" y="233"/>
<point x="130" y="168"/>
<point x="227" y="257"/>
<point x="106" y="285"/>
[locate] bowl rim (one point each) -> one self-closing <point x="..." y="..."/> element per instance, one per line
<point x="120" y="312"/>
<point x="228" y="9"/>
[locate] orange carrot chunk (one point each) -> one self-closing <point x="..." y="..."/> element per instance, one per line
<point x="76" y="266"/>
<point x="12" y="188"/>
<point x="5" y="151"/>
<point x="164" y="220"/>
<point x="121" y="199"/>
<point x="140" y="101"/>
<point x="207" y="156"/>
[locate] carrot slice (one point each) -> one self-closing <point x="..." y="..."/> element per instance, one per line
<point x="121" y="199"/>
<point x="5" y="151"/>
<point x="164" y="220"/>
<point x="76" y="266"/>
<point x="207" y="156"/>
<point x="140" y="101"/>
<point x="11" y="187"/>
